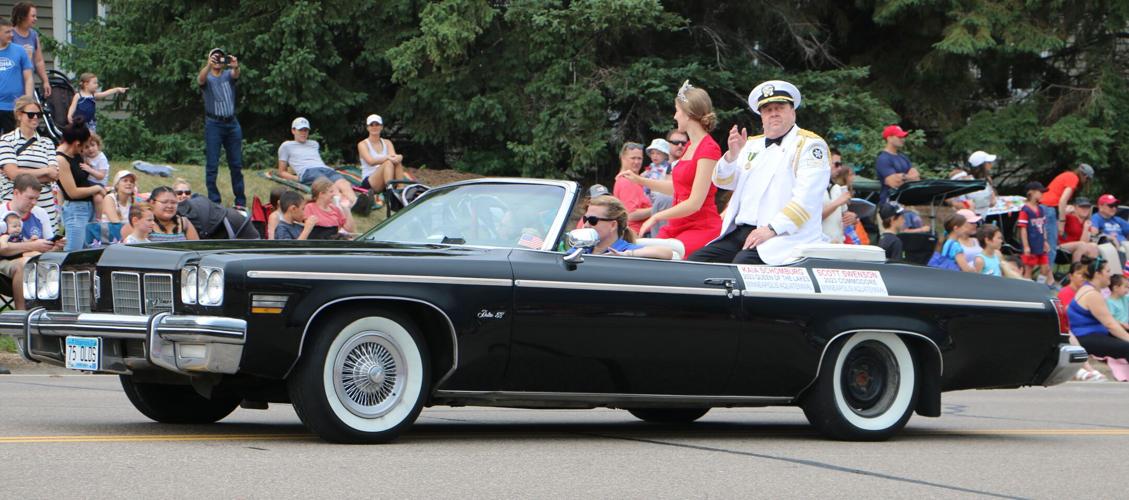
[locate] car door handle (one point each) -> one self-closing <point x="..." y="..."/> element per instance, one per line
<point x="728" y="283"/>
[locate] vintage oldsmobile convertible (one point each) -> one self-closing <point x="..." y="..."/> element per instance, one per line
<point x="444" y="304"/>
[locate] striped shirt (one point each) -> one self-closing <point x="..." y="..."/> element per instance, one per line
<point x="219" y="94"/>
<point x="41" y="154"/>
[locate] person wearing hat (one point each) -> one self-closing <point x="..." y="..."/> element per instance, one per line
<point x="1032" y="226"/>
<point x="221" y="128"/>
<point x="894" y="168"/>
<point x="303" y="155"/>
<point x="778" y="181"/>
<point x="379" y="162"/>
<point x="892" y="223"/>
<point x="1108" y="223"/>
<point x="662" y="157"/>
<point x="981" y="168"/>
<point x="1076" y="239"/>
<point x="116" y="203"/>
<point x="1061" y="189"/>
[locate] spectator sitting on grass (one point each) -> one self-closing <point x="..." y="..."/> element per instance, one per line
<point x="293" y="224"/>
<point x="951" y="249"/>
<point x="991" y="240"/>
<point x="142" y="221"/>
<point x="1109" y="223"/>
<point x="892" y="223"/>
<point x="36" y="231"/>
<point x="275" y="212"/>
<point x="168" y="225"/>
<point x="1090" y="319"/>
<point x="968" y="239"/>
<point x="1117" y="301"/>
<point x="331" y="217"/>
<point x="1078" y="230"/>
<point x="1076" y="279"/>
<point x="304" y="156"/>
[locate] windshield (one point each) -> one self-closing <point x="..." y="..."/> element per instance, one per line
<point x="497" y="215"/>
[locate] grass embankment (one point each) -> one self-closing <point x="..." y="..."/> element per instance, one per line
<point x="7" y="344"/>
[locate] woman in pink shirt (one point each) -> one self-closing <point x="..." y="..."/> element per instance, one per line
<point x="324" y="206"/>
<point x="633" y="196"/>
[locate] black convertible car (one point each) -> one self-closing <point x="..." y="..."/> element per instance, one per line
<point x="467" y="297"/>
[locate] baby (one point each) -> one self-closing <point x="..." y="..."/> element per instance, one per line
<point x="14" y="233"/>
<point x="96" y="164"/>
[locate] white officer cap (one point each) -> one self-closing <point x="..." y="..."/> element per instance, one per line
<point x="300" y="123"/>
<point x="661" y="145"/>
<point x="773" y="91"/>
<point x="979" y="158"/>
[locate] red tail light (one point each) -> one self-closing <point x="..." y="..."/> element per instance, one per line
<point x="1063" y="322"/>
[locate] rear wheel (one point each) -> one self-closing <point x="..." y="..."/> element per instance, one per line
<point x="177" y="404"/>
<point x="668" y="415"/>
<point x="364" y="379"/>
<point x="866" y="389"/>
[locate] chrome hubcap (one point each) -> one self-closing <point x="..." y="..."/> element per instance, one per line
<point x="369" y="374"/>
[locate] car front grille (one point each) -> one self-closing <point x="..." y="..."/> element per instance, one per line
<point x="76" y="291"/>
<point x="158" y="293"/>
<point x="126" y="289"/>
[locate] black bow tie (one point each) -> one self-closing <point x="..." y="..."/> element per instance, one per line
<point x="778" y="141"/>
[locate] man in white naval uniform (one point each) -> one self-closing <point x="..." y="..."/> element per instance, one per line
<point x="777" y="181"/>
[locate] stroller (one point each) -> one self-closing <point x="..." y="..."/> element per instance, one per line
<point x="55" y="107"/>
<point x="401" y="193"/>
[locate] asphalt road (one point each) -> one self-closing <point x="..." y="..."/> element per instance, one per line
<point x="78" y="437"/>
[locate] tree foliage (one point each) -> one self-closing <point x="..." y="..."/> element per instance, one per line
<point x="553" y="88"/>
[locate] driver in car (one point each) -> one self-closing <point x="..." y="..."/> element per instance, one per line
<point x="607" y="215"/>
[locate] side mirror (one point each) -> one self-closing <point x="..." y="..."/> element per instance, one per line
<point x="579" y="240"/>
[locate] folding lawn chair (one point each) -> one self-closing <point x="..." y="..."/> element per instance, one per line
<point x="7" y="296"/>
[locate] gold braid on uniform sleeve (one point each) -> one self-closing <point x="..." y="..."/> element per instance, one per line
<point x="795" y="213"/>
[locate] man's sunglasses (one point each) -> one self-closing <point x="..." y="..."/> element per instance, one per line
<point x="33" y="114"/>
<point x="678" y="143"/>
<point x="592" y="220"/>
<point x="182" y="193"/>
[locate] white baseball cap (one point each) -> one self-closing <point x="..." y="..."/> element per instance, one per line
<point x="661" y="145"/>
<point x="979" y="158"/>
<point x="123" y="174"/>
<point x="300" y="123"/>
<point x="373" y="119"/>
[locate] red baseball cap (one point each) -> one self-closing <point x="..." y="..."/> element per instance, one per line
<point x="893" y="130"/>
<point x="1107" y="199"/>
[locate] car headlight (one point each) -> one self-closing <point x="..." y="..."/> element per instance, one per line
<point x="47" y="281"/>
<point x="210" y="286"/>
<point x="29" y="281"/>
<point x="188" y="284"/>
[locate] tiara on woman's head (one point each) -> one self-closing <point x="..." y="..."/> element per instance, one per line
<point x="682" y="90"/>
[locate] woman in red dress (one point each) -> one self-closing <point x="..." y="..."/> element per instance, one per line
<point x="693" y="219"/>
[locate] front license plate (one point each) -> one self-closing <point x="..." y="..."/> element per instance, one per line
<point x="83" y="353"/>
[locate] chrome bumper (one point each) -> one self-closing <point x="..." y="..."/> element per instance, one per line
<point x="181" y="344"/>
<point x="1070" y="359"/>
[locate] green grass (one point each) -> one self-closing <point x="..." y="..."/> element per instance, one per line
<point x="7" y="344"/>
<point x="253" y="185"/>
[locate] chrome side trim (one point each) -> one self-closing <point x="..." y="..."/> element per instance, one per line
<point x="831" y="341"/>
<point x="398" y="278"/>
<point x="900" y="299"/>
<point x="1070" y="359"/>
<point x="620" y="287"/>
<point x="450" y="326"/>
<point x="599" y="398"/>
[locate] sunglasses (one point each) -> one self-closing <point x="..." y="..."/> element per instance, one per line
<point x="592" y="220"/>
<point x="678" y="143"/>
<point x="182" y="193"/>
<point x="838" y="164"/>
<point x="33" y="114"/>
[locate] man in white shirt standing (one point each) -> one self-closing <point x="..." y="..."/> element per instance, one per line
<point x="778" y="181"/>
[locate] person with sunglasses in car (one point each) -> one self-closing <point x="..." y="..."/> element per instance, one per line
<point x="608" y="217"/>
<point x="24" y="151"/>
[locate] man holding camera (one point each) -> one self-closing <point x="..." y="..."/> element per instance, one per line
<point x="217" y="81"/>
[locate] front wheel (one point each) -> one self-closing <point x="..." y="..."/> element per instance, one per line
<point x="866" y="389"/>
<point x="364" y="379"/>
<point x="668" y="415"/>
<point x="177" y="404"/>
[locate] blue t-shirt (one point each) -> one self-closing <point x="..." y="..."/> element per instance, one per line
<point x="1035" y="221"/>
<point x="13" y="62"/>
<point x="1114" y="226"/>
<point x="621" y="245"/>
<point x="951" y="249"/>
<point x="887" y="165"/>
<point x="287" y="231"/>
<point x="991" y="265"/>
<point x="219" y="94"/>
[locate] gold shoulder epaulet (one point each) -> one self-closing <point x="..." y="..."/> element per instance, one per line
<point x="809" y="134"/>
<point x="755" y="138"/>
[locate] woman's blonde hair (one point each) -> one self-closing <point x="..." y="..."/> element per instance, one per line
<point x="320" y="185"/>
<point x="697" y="105"/>
<point x="615" y="210"/>
<point x="180" y="180"/>
<point x="21" y="103"/>
<point x="95" y="139"/>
